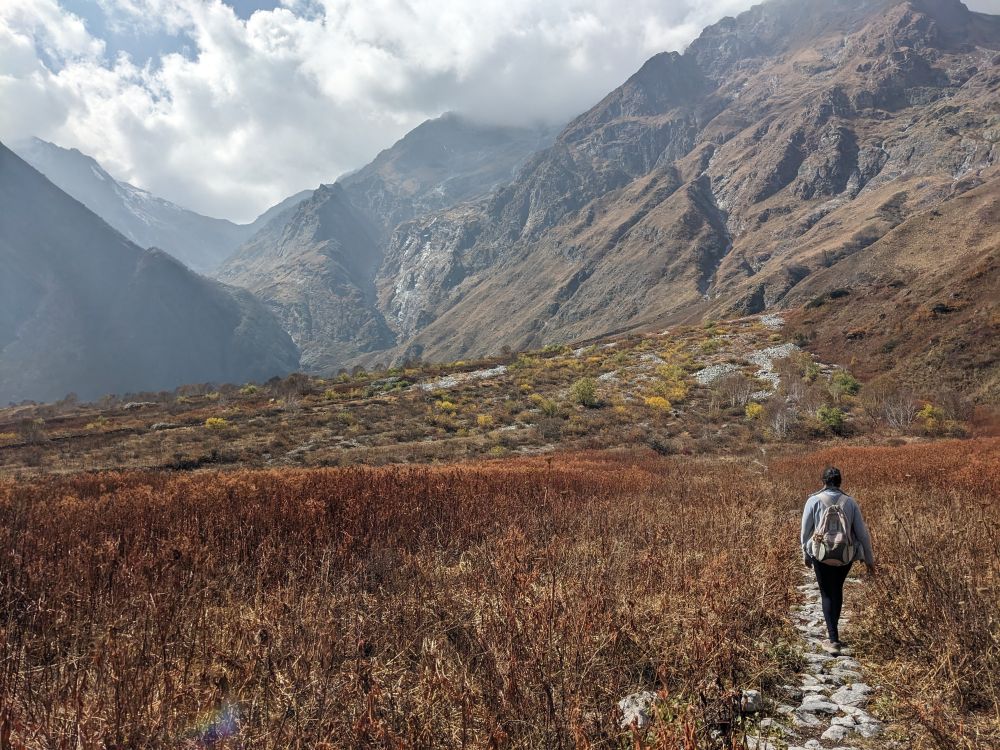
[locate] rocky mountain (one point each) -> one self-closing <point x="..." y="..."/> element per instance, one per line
<point x="317" y="270"/>
<point x="200" y="242"/>
<point x="783" y="148"/>
<point x="85" y="310"/>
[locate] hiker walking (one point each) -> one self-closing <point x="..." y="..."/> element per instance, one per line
<point x="834" y="536"/>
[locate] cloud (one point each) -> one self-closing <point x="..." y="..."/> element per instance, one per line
<point x="288" y="98"/>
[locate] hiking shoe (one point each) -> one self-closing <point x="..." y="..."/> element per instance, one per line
<point x="831" y="647"/>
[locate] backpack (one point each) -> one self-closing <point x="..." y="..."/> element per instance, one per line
<point x="831" y="542"/>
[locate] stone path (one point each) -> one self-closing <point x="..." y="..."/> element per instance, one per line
<point x="827" y="708"/>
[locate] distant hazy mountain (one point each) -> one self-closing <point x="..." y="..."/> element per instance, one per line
<point x="83" y="309"/>
<point x="317" y="270"/>
<point x="199" y="241"/>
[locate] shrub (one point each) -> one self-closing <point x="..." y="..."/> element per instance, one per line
<point x="658" y="402"/>
<point x="932" y="418"/>
<point x="673" y="386"/>
<point x="736" y="388"/>
<point x="32" y="430"/>
<point x="549" y="407"/>
<point x="885" y="401"/>
<point x="7" y="437"/>
<point x="831" y="418"/>
<point x="584" y="392"/>
<point x="97" y="423"/>
<point x="216" y="423"/>
<point x="754" y="410"/>
<point x="485" y="421"/>
<point x="248" y="390"/>
<point x="447" y="406"/>
<point x="369" y="562"/>
<point x="843" y="383"/>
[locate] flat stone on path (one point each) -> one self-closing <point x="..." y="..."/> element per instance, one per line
<point x="851" y="696"/>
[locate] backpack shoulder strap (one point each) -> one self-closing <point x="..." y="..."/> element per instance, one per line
<point x="826" y="498"/>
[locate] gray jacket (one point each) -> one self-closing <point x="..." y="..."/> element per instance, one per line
<point x="813" y="513"/>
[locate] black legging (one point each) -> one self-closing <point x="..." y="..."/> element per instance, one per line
<point x="831" y="589"/>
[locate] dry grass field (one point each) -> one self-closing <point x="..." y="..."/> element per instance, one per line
<point x="497" y="604"/>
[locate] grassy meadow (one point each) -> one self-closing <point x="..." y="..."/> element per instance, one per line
<point x="494" y="604"/>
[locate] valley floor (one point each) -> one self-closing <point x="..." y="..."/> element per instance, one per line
<point x="506" y="603"/>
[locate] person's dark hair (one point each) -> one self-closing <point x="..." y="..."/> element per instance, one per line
<point x="831" y="476"/>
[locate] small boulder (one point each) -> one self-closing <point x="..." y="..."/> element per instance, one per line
<point x="751" y="702"/>
<point x="835" y="733"/>
<point x="637" y="709"/>
<point x="852" y="695"/>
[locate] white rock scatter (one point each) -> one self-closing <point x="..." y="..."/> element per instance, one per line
<point x="710" y="374"/>
<point x="451" y="381"/>
<point x="774" y="321"/>
<point x="764" y="359"/>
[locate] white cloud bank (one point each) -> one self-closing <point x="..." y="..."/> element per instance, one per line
<point x="294" y="96"/>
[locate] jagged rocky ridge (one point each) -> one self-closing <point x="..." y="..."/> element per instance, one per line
<point x="84" y="310"/>
<point x="781" y="144"/>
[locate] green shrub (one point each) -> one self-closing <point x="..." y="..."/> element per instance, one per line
<point x="843" y="383"/>
<point x="831" y="418"/>
<point x="584" y="392"/>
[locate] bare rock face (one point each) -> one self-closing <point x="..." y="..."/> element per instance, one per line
<point x="317" y="267"/>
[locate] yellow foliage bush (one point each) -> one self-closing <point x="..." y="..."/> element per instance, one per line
<point x="7" y="436"/>
<point x="932" y="418"/>
<point x="447" y="406"/>
<point x="754" y="410"/>
<point x="216" y="423"/>
<point x="484" y="420"/>
<point x="658" y="402"/>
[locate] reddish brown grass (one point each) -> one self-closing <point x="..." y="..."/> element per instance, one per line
<point x="506" y="604"/>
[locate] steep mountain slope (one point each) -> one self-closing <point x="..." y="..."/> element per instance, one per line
<point x="781" y="143"/>
<point x="922" y="303"/>
<point x="84" y="310"/>
<point x="317" y="269"/>
<point x="198" y="241"/>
